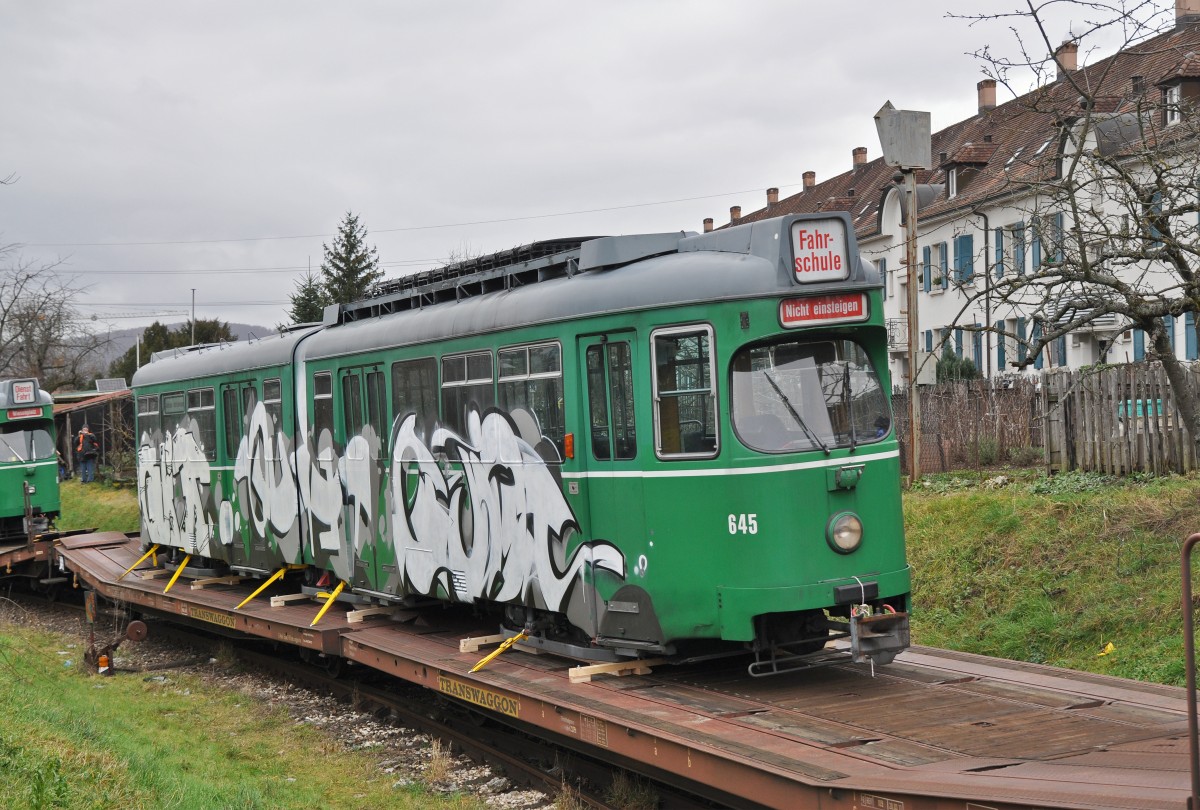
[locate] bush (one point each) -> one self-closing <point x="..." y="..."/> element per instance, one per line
<point x="988" y="450"/>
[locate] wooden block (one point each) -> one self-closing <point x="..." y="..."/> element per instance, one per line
<point x="356" y="616"/>
<point x="154" y="573"/>
<point x="201" y="584"/>
<point x="636" y="666"/>
<point x="280" y="601"/>
<point x="472" y="645"/>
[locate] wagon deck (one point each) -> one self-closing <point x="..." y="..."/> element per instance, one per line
<point x="936" y="729"/>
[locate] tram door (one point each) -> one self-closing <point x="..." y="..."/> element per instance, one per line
<point x="612" y="483"/>
<point x="249" y="548"/>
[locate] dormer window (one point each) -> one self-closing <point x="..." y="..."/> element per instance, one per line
<point x="1172" y="96"/>
<point x="952" y="183"/>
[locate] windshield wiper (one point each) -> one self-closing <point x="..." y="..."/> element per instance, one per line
<point x="812" y="437"/>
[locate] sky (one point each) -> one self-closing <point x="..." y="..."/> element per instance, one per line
<point x="171" y="155"/>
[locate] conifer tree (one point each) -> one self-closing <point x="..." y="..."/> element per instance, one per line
<point x="309" y="300"/>
<point x="350" y="266"/>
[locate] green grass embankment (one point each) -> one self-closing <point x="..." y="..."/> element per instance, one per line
<point x="98" y="505"/>
<point x="1053" y="570"/>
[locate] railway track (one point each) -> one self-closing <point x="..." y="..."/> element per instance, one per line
<point x="932" y="731"/>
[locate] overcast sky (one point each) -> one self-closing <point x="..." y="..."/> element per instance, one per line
<point x="160" y="147"/>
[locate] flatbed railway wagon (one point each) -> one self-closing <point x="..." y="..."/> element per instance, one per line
<point x="29" y="499"/>
<point x="653" y="445"/>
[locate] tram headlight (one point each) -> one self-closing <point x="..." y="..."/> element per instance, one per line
<point x="844" y="532"/>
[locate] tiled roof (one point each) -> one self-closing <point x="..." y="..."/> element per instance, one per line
<point x="1014" y="144"/>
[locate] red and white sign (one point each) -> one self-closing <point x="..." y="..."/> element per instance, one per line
<point x="819" y="250"/>
<point x="24" y="392"/>
<point x="824" y="309"/>
<point x="24" y="413"/>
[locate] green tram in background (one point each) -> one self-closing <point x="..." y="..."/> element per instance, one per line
<point x="29" y="502"/>
<point x="663" y="444"/>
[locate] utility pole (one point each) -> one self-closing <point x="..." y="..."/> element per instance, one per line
<point x="906" y="138"/>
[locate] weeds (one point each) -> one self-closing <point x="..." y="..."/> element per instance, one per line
<point x="441" y="763"/>
<point x="629" y="792"/>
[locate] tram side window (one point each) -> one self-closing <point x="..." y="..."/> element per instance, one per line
<point x="174" y="406"/>
<point x="232" y="416"/>
<point x="613" y="437"/>
<point x="376" y="408"/>
<point x="147" y="413"/>
<point x="201" y="408"/>
<point x="466" y="386"/>
<point x="273" y="401"/>
<point x="685" y="393"/>
<point x="415" y="389"/>
<point x="322" y="405"/>
<point x="531" y="379"/>
<point x="351" y="405"/>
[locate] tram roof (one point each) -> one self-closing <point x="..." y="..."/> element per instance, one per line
<point x="545" y="283"/>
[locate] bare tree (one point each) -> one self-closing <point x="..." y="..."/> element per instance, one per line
<point x="1110" y="197"/>
<point x="42" y="333"/>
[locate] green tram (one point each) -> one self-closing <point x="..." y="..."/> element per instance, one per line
<point x="624" y="446"/>
<point x="29" y="502"/>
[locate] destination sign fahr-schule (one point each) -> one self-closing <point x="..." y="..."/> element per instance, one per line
<point x="823" y="309"/>
<point x="819" y="251"/>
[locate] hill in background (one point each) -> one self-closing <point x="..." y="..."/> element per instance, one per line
<point x="119" y="340"/>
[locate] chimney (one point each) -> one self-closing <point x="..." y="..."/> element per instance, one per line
<point x="708" y="224"/>
<point x="860" y="156"/>
<point x="735" y="212"/>
<point x="1067" y="56"/>
<point x="986" y="91"/>
<point x="810" y="180"/>
<point x="772" y="197"/>
<point x="1187" y="12"/>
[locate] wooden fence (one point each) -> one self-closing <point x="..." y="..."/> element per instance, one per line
<point x="975" y="424"/>
<point x="1115" y="420"/>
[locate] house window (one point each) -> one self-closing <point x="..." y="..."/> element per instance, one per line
<point x="1016" y="233"/>
<point x="1171" y="106"/>
<point x="952" y="183"/>
<point x="883" y="276"/>
<point x="1152" y="208"/>
<point x="998" y="235"/>
<point x="926" y="268"/>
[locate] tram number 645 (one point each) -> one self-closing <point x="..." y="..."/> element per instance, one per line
<point x="743" y="523"/>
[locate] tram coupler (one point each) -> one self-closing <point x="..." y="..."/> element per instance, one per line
<point x="877" y="637"/>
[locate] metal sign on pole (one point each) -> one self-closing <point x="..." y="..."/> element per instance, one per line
<point x="905" y="136"/>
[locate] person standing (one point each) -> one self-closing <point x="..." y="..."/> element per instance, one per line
<point x="88" y="449"/>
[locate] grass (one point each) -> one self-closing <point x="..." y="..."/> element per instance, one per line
<point x="73" y="740"/>
<point x="1053" y="570"/>
<point x="98" y="505"/>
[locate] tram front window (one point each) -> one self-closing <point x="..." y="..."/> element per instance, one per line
<point x="24" y="442"/>
<point x="792" y="394"/>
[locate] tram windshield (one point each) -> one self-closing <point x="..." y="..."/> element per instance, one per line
<point x="25" y="441"/>
<point x="792" y="394"/>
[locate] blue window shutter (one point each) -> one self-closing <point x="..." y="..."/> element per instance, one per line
<point x="883" y="276"/>
<point x="958" y="342"/>
<point x="966" y="257"/>
<point x="978" y="349"/>
<point x="1062" y="351"/>
<point x="1000" y="345"/>
<point x="929" y="340"/>
<point x="999" y="237"/>
<point x="1022" y="348"/>
<point x="1035" y="243"/>
<point x="1019" y="248"/>
<point x="926" y="267"/>
<point x="1139" y="345"/>
<point x="1060" y="237"/>
<point x="1169" y="325"/>
<point x="1036" y="336"/>
<point x="1189" y="335"/>
<point x="943" y="265"/>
